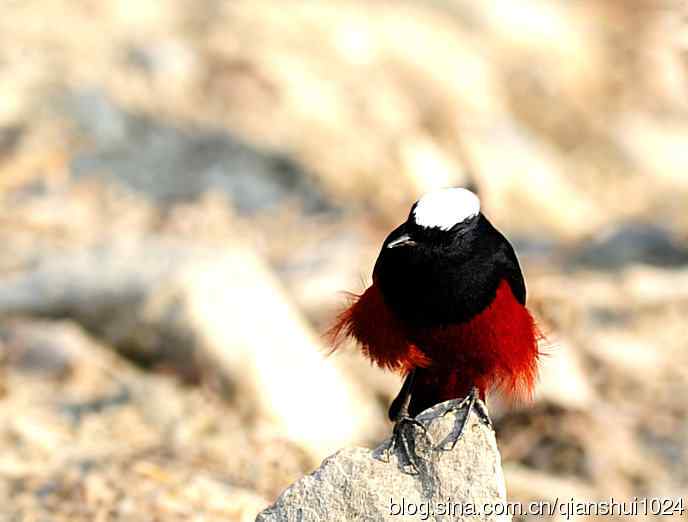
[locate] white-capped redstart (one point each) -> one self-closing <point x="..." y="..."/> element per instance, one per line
<point x="446" y="308"/>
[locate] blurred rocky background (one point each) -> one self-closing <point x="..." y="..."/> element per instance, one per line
<point x="187" y="188"/>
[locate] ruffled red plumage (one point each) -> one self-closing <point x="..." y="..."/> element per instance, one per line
<point x="383" y="338"/>
<point x="496" y="350"/>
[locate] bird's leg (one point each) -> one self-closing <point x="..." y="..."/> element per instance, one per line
<point x="399" y="413"/>
<point x="399" y="410"/>
<point x="469" y="403"/>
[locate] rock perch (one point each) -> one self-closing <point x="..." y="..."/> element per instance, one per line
<point x="358" y="484"/>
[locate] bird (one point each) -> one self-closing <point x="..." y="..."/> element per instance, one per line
<point x="447" y="310"/>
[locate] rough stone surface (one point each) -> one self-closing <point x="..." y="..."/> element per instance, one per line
<point x="359" y="484"/>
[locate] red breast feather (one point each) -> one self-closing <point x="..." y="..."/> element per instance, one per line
<point x="382" y="337"/>
<point x="496" y="349"/>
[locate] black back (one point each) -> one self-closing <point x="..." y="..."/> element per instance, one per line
<point x="446" y="277"/>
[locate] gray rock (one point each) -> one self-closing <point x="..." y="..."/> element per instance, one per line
<point x="633" y="243"/>
<point x="168" y="163"/>
<point x="359" y="484"/>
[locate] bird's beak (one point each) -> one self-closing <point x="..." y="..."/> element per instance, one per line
<point x="403" y="240"/>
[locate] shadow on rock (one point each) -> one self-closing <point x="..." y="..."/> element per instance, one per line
<point x="632" y="243"/>
<point x="169" y="163"/>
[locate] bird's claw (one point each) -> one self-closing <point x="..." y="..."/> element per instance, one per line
<point x="483" y="415"/>
<point x="400" y="439"/>
<point x="469" y="403"/>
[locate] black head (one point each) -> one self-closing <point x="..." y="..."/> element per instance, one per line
<point x="444" y="264"/>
